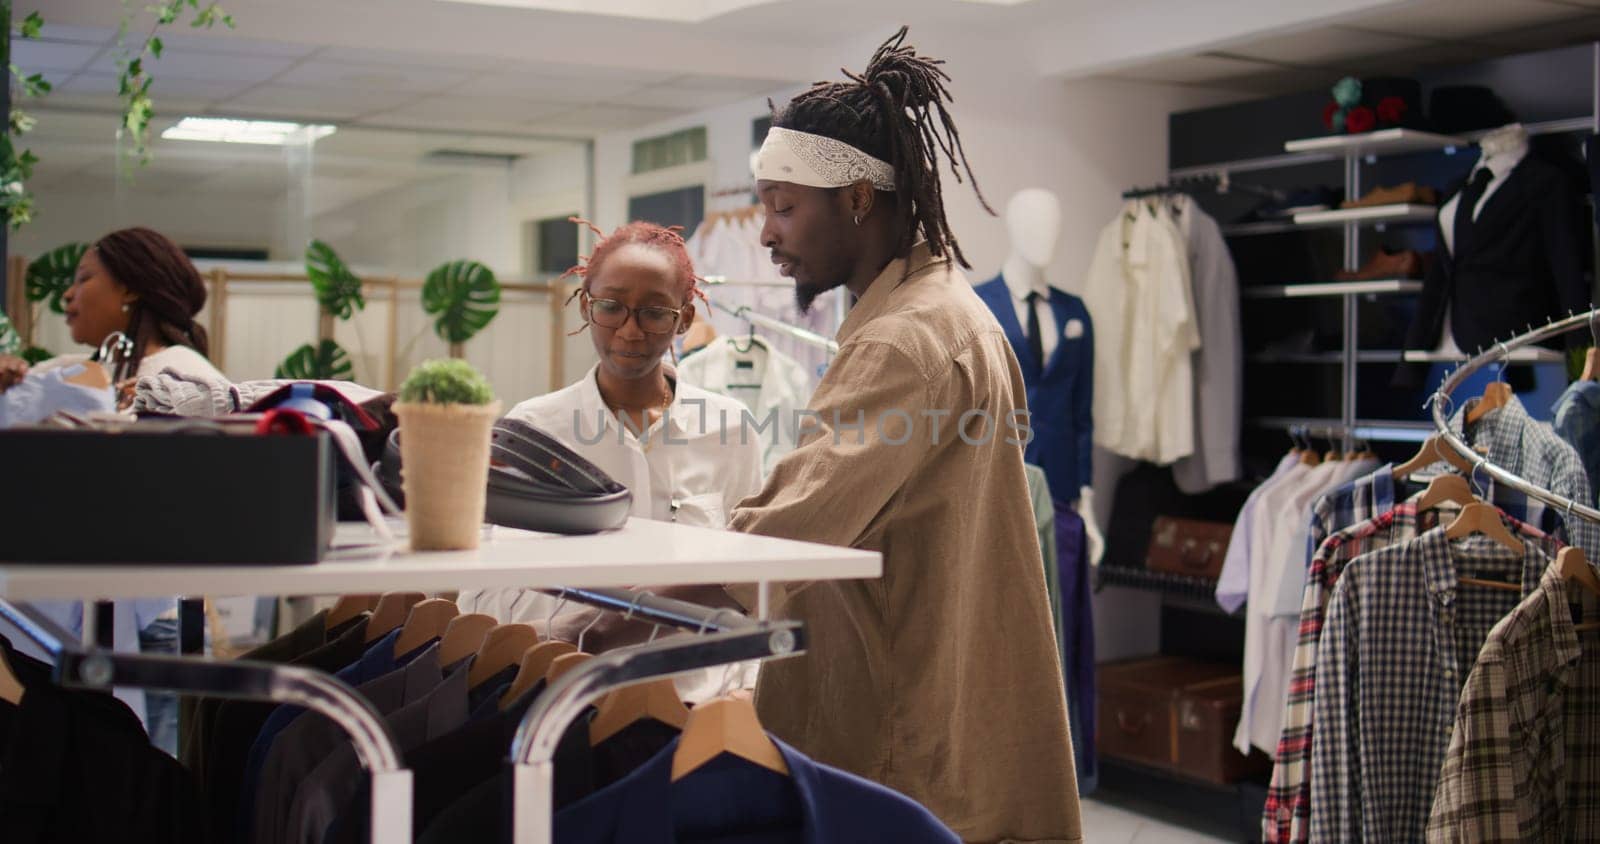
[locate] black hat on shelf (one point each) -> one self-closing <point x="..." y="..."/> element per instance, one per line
<point x="1466" y="108"/>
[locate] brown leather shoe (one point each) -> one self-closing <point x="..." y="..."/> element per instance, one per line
<point x="1408" y="192"/>
<point x="1407" y="264"/>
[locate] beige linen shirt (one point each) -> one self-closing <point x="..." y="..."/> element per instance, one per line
<point x="940" y="679"/>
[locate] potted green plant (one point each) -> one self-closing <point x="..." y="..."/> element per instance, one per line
<point x="446" y="412"/>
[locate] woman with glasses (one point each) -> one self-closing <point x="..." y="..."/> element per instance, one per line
<point x="688" y="455"/>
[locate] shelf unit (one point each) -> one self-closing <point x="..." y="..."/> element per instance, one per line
<point x="1352" y="149"/>
<point x="1333" y="288"/>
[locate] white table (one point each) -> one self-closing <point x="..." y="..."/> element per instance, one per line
<point x="642" y="552"/>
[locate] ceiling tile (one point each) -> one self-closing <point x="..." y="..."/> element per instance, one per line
<point x="162" y="88"/>
<point x="31" y="56"/>
<point x="1323" y="47"/>
<point x="1457" y="19"/>
<point x="675" y="97"/>
<point x="738" y="84"/>
<point x="603" y="118"/>
<point x="410" y="77"/>
<point x="78" y="34"/>
<point x="537" y="86"/>
<point x="450" y="107"/>
<point x="224" y="41"/>
<point x="316" y="102"/>
<point x="189" y="64"/>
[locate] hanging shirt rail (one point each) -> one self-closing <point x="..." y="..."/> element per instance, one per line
<point x="533" y="750"/>
<point x="1500" y="352"/>
<point x="757" y="318"/>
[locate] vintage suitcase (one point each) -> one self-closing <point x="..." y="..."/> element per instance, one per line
<point x="1188" y="546"/>
<point x="1177" y="714"/>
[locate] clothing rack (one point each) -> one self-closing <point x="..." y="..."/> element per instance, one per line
<point x="1203" y="182"/>
<point x="727" y="637"/>
<point x="1500" y="353"/>
<point x="754" y="317"/>
<point x="508" y="559"/>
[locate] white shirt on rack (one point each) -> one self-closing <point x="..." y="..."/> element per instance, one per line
<point x="773" y="386"/>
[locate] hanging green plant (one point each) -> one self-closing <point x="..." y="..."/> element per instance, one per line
<point x="464" y="297"/>
<point x="326" y="361"/>
<point x="338" y="289"/>
<point x="34" y="355"/>
<point x="52" y="273"/>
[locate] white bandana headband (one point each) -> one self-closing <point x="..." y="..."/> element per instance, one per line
<point x="802" y="158"/>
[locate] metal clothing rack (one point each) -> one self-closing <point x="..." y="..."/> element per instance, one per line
<point x="729" y="637"/>
<point x="1500" y="353"/>
<point x="754" y="317"/>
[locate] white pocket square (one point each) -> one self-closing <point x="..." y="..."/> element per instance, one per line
<point x="1074" y="329"/>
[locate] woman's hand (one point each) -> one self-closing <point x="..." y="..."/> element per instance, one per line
<point x="12" y="370"/>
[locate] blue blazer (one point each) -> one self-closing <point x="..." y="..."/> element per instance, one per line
<point x="731" y="800"/>
<point x="1060" y="398"/>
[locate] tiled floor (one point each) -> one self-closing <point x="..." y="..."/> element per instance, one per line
<point x="1107" y="823"/>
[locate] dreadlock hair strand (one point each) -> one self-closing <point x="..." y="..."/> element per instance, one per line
<point x="896" y="110"/>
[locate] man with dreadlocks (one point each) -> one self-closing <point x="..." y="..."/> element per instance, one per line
<point x="940" y="679"/>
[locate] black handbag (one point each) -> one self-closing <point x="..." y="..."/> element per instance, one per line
<point x="535" y="483"/>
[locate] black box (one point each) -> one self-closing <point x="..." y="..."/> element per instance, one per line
<point x="154" y="494"/>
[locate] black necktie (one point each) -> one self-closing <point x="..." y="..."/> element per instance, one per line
<point x="1035" y="342"/>
<point x="1470" y="196"/>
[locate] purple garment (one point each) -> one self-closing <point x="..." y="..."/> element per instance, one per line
<point x="1077" y="645"/>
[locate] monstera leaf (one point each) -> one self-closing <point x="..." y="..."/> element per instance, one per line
<point x="464" y="297"/>
<point x="338" y="289"/>
<point x="326" y="361"/>
<point x="51" y="274"/>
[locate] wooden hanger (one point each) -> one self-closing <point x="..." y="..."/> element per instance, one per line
<point x="1451" y="488"/>
<point x="1575" y="568"/>
<point x="535" y="664"/>
<point x="725" y="725"/>
<point x="1433" y="451"/>
<point x="1478" y="517"/>
<point x="348" y="607"/>
<point x="564" y="663"/>
<point x="501" y="648"/>
<point x="391" y="612"/>
<point x="1495" y="396"/>
<point x="11" y="688"/>
<point x="426" y="622"/>
<point x="463" y="636"/>
<point x="656" y="700"/>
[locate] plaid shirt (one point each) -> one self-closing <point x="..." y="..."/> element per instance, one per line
<point x="1503" y="432"/>
<point x="1531" y="449"/>
<point x="1524" y="760"/>
<point x="1400" y="638"/>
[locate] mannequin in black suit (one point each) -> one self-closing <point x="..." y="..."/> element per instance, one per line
<point x="1511" y="262"/>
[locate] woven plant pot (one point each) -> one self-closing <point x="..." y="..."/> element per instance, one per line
<point x="444" y="468"/>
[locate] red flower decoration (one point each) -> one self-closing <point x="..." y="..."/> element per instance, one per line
<point x="1360" y="119"/>
<point x="1328" y="111"/>
<point x="1391" y="109"/>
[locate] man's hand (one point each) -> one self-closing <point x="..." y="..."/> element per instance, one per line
<point x="12" y="370"/>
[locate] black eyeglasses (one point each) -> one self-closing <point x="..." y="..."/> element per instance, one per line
<point x="609" y="313"/>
